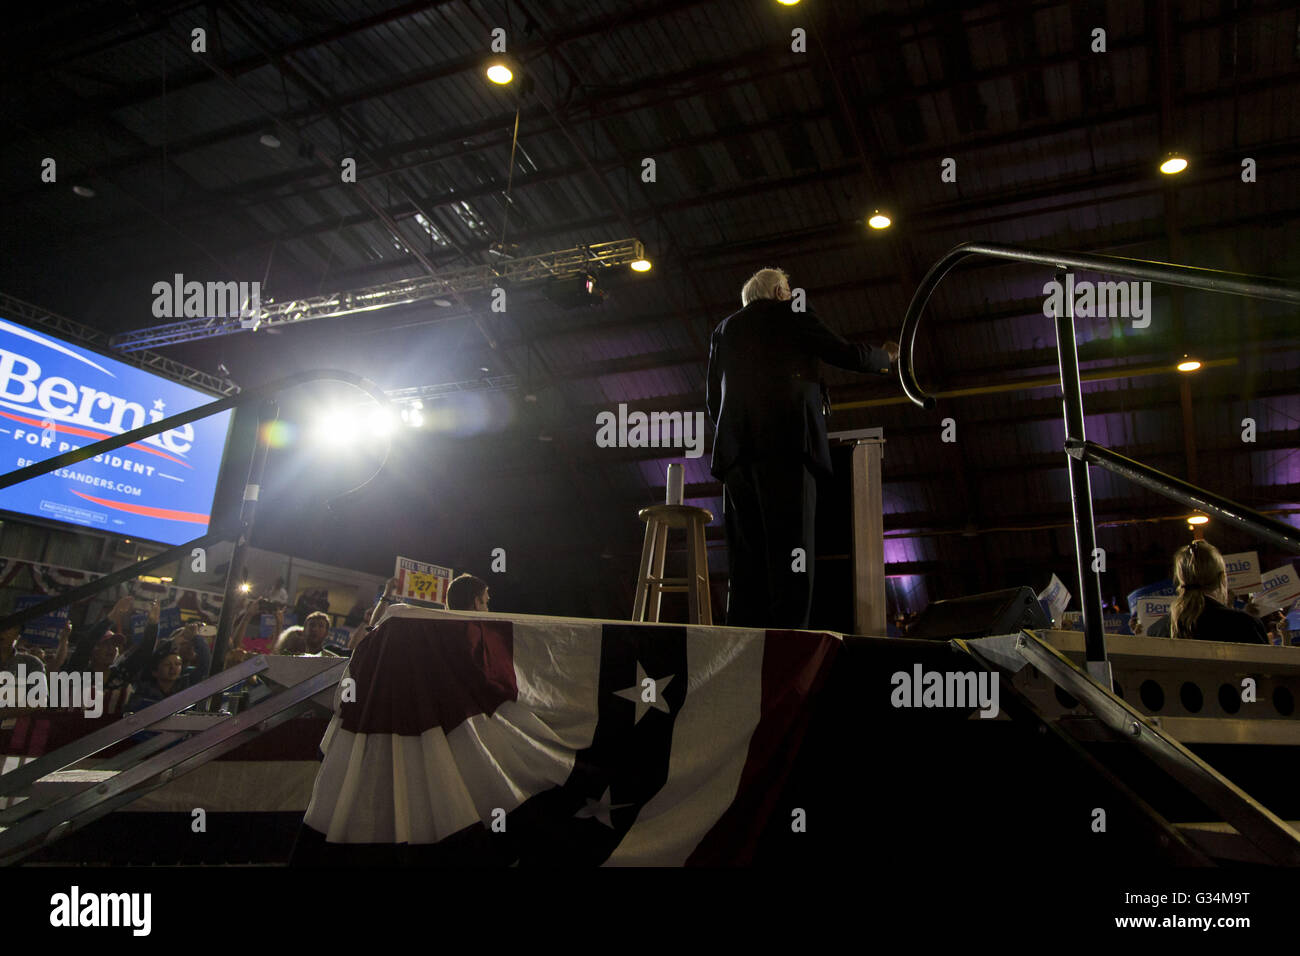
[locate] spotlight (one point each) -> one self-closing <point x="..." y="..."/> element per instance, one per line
<point x="416" y="419"/>
<point x="640" y="265"/>
<point x="1198" y="520"/>
<point x="1188" y="364"/>
<point x="499" y="73"/>
<point x="245" y="587"/>
<point x="417" y="404"/>
<point x="381" y="421"/>
<point x="1173" y="164"/>
<point x="879" y="220"/>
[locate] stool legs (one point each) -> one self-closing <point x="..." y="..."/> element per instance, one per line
<point x="661" y="554"/>
<point x="700" y="575"/>
<point x="643" y="576"/>
<point x="650" y="585"/>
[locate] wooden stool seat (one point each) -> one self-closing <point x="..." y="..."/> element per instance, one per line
<point x="651" y="581"/>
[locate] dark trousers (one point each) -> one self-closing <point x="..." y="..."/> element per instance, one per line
<point x="768" y="508"/>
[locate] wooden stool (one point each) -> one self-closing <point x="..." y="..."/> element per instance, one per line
<point x="651" y="583"/>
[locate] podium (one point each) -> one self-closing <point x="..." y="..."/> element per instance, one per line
<point x="849" y="581"/>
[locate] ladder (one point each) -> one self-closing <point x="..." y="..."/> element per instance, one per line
<point x="55" y="797"/>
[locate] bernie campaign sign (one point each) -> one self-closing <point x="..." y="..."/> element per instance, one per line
<point x="56" y="397"/>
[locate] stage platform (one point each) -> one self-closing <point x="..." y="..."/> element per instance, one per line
<point x="746" y="746"/>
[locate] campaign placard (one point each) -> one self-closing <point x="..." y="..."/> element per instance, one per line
<point x="56" y="397"/>
<point x="1151" y="609"/>
<point x="1279" y="589"/>
<point x="42" y="631"/>
<point x="421" y="582"/>
<point x="1056" y="597"/>
<point x="338" y="637"/>
<point x="1243" y="571"/>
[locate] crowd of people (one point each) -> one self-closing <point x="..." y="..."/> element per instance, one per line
<point x="142" y="671"/>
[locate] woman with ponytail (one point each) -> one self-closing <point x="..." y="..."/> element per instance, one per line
<point x="1199" y="612"/>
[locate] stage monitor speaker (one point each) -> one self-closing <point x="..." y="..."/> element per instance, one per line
<point x="979" y="615"/>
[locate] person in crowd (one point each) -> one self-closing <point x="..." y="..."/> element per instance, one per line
<point x="307" y="639"/>
<point x="279" y="594"/>
<point x="163" y="665"/>
<point x="11" y="657"/>
<point x="195" y="655"/>
<point x="769" y="411"/>
<point x="373" y="616"/>
<point x="1200" y="612"/>
<point x="467" y="593"/>
<point x="51" y="658"/>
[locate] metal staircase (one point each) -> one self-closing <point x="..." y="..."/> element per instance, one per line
<point x="56" y="796"/>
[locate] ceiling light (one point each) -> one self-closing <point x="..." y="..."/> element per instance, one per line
<point x="500" y="74"/>
<point x="269" y="140"/>
<point x="879" y="220"/>
<point x="1198" y="520"/>
<point x="1188" y="364"/>
<point x="442" y="303"/>
<point x="85" y="192"/>
<point x="640" y="265"/>
<point x="1173" y="164"/>
<point x="245" y="587"/>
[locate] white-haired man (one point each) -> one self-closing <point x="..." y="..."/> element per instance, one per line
<point x="769" y="446"/>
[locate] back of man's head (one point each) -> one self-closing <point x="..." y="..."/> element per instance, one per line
<point x="763" y="284"/>
<point x="463" y="592"/>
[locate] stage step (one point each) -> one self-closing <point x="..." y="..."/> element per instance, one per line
<point x="1222" y="841"/>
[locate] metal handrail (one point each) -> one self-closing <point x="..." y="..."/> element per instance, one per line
<point x="1186" y="493"/>
<point x="1210" y="280"/>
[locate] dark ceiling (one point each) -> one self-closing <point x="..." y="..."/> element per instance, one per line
<point x="764" y="156"/>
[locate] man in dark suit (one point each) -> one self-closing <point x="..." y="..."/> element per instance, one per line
<point x="766" y="403"/>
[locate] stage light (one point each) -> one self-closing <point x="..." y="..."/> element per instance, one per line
<point x="1198" y="520"/>
<point x="1173" y="164"/>
<point x="244" y="587"/>
<point x="787" y="3"/>
<point x="1188" y="364"/>
<point x="879" y="220"/>
<point x="417" y="405"/>
<point x="640" y="265"/>
<point x="500" y="74"/>
<point x="380" y="421"/>
<point x="416" y="419"/>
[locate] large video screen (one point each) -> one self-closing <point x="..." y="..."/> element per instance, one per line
<point x="56" y="396"/>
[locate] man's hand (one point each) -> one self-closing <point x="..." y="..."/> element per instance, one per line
<point x="155" y="612"/>
<point x="891" y="348"/>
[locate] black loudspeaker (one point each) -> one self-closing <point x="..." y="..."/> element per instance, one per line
<point x="979" y="615"/>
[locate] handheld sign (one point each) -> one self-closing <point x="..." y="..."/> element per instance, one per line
<point x="1243" y="571"/>
<point x="1151" y="609"/>
<point x="1056" y="596"/>
<point x="42" y="631"/>
<point x="421" y="582"/>
<point x="1280" y="589"/>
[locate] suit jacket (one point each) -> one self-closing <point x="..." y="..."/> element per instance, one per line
<point x="764" y="396"/>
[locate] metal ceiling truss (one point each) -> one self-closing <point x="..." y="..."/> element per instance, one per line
<point x="470" y="279"/>
<point x="66" y="328"/>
